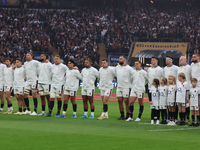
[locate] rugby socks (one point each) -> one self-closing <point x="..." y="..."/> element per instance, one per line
<point x="180" y="115"/>
<point x="105" y="107"/>
<point x="43" y="108"/>
<point x="10" y="108"/>
<point x="198" y="119"/>
<point x="127" y="115"/>
<point x="24" y="109"/>
<point x="27" y="103"/>
<point x="188" y="113"/>
<point x="85" y="112"/>
<point x="165" y="114"/>
<point x="140" y="111"/>
<point x="183" y="116"/>
<point x="92" y="112"/>
<point x="193" y="117"/>
<point x="74" y="109"/>
<point x="131" y="108"/>
<point x="51" y="106"/>
<point x="158" y="114"/>
<point x="20" y="109"/>
<point x="59" y="106"/>
<point x="2" y="105"/>
<point x="122" y="113"/>
<point x="162" y="115"/>
<point x="35" y="104"/>
<point x="65" y="108"/>
<point x="172" y="115"/>
<point x="153" y="114"/>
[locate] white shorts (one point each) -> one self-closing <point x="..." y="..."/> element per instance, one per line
<point x="31" y="85"/>
<point x="171" y="104"/>
<point x="19" y="90"/>
<point x="194" y="107"/>
<point x="88" y="92"/>
<point x="137" y="94"/>
<point x="163" y="107"/>
<point x="70" y="93"/>
<point x="57" y="89"/>
<point x="124" y="93"/>
<point x="7" y="88"/>
<point x="154" y="107"/>
<point x="44" y="87"/>
<point x="181" y="104"/>
<point x="107" y="92"/>
<point x="1" y="87"/>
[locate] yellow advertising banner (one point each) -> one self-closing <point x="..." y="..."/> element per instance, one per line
<point x="142" y="46"/>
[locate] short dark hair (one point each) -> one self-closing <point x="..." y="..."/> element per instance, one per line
<point x="47" y="56"/>
<point x="123" y="56"/>
<point x="157" y="82"/>
<point x="8" y="59"/>
<point x="71" y="61"/>
<point x="105" y="60"/>
<point x="170" y="57"/>
<point x="19" y="59"/>
<point x="30" y="53"/>
<point x="57" y="56"/>
<point x="196" y="54"/>
<point x="155" y="57"/>
<point x="88" y="59"/>
<point x="138" y="61"/>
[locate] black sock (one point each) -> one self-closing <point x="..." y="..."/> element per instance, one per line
<point x="158" y="114"/>
<point x="65" y="107"/>
<point x="152" y="114"/>
<point x="24" y="109"/>
<point x="20" y="109"/>
<point x="2" y="105"/>
<point x="184" y="117"/>
<point x="193" y="117"/>
<point x="51" y="106"/>
<point x="74" y="107"/>
<point x="131" y="111"/>
<point x="43" y="107"/>
<point x="176" y="113"/>
<point x="198" y="119"/>
<point x="162" y="114"/>
<point x="105" y="107"/>
<point x="187" y="112"/>
<point x="35" y="102"/>
<point x="172" y="114"/>
<point x="92" y="110"/>
<point x="122" y="113"/>
<point x="85" y="110"/>
<point x="165" y="114"/>
<point x="127" y="115"/>
<point x="180" y="116"/>
<point x="27" y="103"/>
<point x="9" y="105"/>
<point x="59" y="106"/>
<point x="140" y="111"/>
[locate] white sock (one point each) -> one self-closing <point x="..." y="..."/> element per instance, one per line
<point x="43" y="111"/>
<point x="92" y="113"/>
<point x="74" y="113"/>
<point x="8" y="108"/>
<point x="106" y="114"/>
<point x="11" y="108"/>
<point x="64" y="112"/>
<point x="102" y="115"/>
<point x="85" y="113"/>
<point x="1" y="109"/>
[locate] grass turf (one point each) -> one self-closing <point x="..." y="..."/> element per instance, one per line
<point x="33" y="132"/>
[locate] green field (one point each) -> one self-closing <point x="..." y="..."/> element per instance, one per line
<point x="33" y="132"/>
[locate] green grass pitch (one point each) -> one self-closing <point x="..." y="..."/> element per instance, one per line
<point x="33" y="132"/>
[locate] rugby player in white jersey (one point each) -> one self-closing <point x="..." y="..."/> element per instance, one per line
<point x="89" y="75"/>
<point x="170" y="69"/>
<point x="186" y="69"/>
<point x="44" y="81"/>
<point x="138" y="89"/>
<point x="58" y="73"/>
<point x="195" y="66"/>
<point x="8" y="84"/>
<point x="123" y="72"/>
<point x="31" y="72"/>
<point x="71" y="86"/>
<point x="1" y="86"/>
<point x="19" y="84"/>
<point x="106" y="74"/>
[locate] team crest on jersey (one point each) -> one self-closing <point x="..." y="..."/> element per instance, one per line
<point x="194" y="91"/>
<point x="8" y="69"/>
<point x="184" y="68"/>
<point x="89" y="93"/>
<point x="155" y="70"/>
<point x="33" y="86"/>
<point x="19" y="70"/>
<point x="1" y="89"/>
<point x="46" y="89"/>
<point x="164" y="89"/>
<point x="59" y="91"/>
<point x="170" y="69"/>
<point x="107" y="70"/>
<point x="71" y="93"/>
<point x="124" y="68"/>
<point x="59" y="67"/>
<point x="71" y="71"/>
<point x="139" y="72"/>
<point x="89" y="71"/>
<point x="30" y="63"/>
<point x="43" y="65"/>
<point x="197" y="65"/>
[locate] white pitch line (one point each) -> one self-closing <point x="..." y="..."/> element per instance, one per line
<point x="175" y="129"/>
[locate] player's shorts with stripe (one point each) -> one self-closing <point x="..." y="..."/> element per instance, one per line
<point x="106" y="92"/>
<point x="7" y="88"/>
<point x="44" y="87"/>
<point x="69" y="92"/>
<point x="194" y="107"/>
<point x="171" y="104"/>
<point x="1" y="87"/>
<point x="163" y="107"/>
<point x="88" y="92"/>
<point x="125" y="93"/>
<point x="154" y="107"/>
<point x="181" y="104"/>
<point x="19" y="90"/>
<point x="137" y="94"/>
<point x="57" y="89"/>
<point x="31" y="85"/>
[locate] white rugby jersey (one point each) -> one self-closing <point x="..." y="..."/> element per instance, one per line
<point x="8" y="76"/>
<point x="181" y="95"/>
<point x="196" y="72"/>
<point x="124" y="76"/>
<point x="187" y="71"/>
<point x="163" y="95"/>
<point x="139" y="80"/>
<point x="72" y="80"/>
<point x="171" y="93"/>
<point x="19" y="76"/>
<point x="45" y="74"/>
<point x="194" y="96"/>
<point x="155" y="96"/>
<point x="1" y="72"/>
<point x="58" y="73"/>
<point x="31" y="70"/>
<point x="89" y="76"/>
<point x="172" y="70"/>
<point x="106" y="77"/>
<point x="152" y="73"/>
